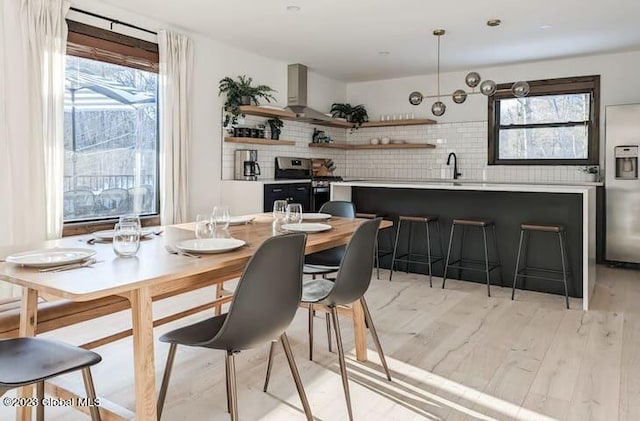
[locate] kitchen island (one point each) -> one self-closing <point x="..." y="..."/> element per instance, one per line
<point x="508" y="205"/>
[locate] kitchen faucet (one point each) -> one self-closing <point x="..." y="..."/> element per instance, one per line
<point x="455" y="165"/>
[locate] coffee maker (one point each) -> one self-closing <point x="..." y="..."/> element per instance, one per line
<point x="246" y="165"/>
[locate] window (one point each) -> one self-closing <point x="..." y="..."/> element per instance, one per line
<point x="556" y="124"/>
<point x="110" y="125"/>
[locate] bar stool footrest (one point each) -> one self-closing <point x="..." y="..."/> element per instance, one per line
<point x="434" y="259"/>
<point x="480" y="263"/>
<point x="522" y="273"/>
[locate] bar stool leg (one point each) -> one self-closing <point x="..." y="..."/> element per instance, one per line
<point x="395" y="250"/>
<point x="525" y="246"/>
<point x="515" y="275"/>
<point x="409" y="249"/>
<point x="495" y="243"/>
<point x="446" y="264"/>
<point x="564" y="268"/>
<point x="426" y="226"/>
<point x="486" y="261"/>
<point x="464" y="235"/>
<point x="440" y="239"/>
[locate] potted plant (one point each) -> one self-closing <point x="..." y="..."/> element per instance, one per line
<point x="240" y="92"/>
<point x="275" y="124"/>
<point x="357" y="114"/>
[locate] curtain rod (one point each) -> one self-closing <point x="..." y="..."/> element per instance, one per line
<point x="113" y="21"/>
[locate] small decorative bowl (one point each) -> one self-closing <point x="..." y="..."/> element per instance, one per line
<point x="374" y="141"/>
<point x="385" y="140"/>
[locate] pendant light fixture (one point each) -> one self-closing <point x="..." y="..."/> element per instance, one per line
<point x="472" y="80"/>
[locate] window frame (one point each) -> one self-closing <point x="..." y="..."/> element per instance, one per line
<point x="99" y="44"/>
<point x="547" y="87"/>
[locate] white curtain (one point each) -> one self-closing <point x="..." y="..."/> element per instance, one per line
<point x="176" y="66"/>
<point x="43" y="22"/>
<point x="32" y="42"/>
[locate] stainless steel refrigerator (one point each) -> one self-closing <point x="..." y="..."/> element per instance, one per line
<point x="622" y="140"/>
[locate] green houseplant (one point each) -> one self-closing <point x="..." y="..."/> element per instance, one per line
<point x="275" y="124"/>
<point x="356" y="115"/>
<point x="240" y="92"/>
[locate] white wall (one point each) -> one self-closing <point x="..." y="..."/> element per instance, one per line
<point x="620" y="84"/>
<point x="463" y="128"/>
<point x="213" y="61"/>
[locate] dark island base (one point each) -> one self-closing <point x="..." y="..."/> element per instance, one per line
<point x="507" y="209"/>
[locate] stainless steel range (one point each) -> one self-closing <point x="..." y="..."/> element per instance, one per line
<point x="318" y="171"/>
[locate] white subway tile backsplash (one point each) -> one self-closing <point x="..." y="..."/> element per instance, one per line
<point x="468" y="140"/>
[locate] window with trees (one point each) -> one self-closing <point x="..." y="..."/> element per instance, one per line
<point x="110" y="125"/>
<point x="556" y="124"/>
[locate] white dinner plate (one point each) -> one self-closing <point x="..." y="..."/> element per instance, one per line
<point x="107" y="235"/>
<point x="306" y="227"/>
<point x="315" y="216"/>
<point x="241" y="220"/>
<point x="210" y="245"/>
<point x="50" y="257"/>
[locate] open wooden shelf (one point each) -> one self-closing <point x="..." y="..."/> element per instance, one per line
<point x="393" y="123"/>
<point x="349" y="146"/>
<point x="258" y="141"/>
<point x="267" y="112"/>
<point x="338" y="123"/>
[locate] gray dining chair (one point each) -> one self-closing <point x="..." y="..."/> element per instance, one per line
<point x="328" y="261"/>
<point x="351" y="283"/>
<point x="78" y="203"/>
<point x="26" y="361"/>
<point x="264" y="304"/>
<point x="113" y="201"/>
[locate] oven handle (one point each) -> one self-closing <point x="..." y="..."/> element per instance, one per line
<point x="321" y="189"/>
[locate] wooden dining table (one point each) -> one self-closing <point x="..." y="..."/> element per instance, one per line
<point x="151" y="273"/>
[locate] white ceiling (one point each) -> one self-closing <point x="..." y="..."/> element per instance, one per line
<point x="342" y="38"/>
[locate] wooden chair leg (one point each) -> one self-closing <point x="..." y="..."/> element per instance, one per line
<point x="40" y="397"/>
<point x="296" y="376"/>
<point x="374" y="334"/>
<point x="343" y="365"/>
<point x="231" y="386"/>
<point x="165" y="378"/>
<point x="269" y="366"/>
<point x="91" y="394"/>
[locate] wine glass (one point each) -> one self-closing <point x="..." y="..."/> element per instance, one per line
<point x="221" y="217"/>
<point x="279" y="209"/>
<point x="205" y="226"/>
<point x="130" y="218"/>
<point x="294" y="213"/>
<point x="126" y="239"/>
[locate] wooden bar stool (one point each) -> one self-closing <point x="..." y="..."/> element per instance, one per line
<point x="525" y="230"/>
<point x="406" y="258"/>
<point x="378" y="253"/>
<point x="470" y="264"/>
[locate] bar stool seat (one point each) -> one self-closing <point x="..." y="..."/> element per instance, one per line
<point x="407" y="257"/>
<point x="536" y="272"/>
<point x="462" y="263"/>
<point x="473" y="222"/>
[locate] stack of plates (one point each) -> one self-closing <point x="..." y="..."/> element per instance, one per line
<point x="107" y="235"/>
<point x="308" y="227"/>
<point x="316" y="216"/>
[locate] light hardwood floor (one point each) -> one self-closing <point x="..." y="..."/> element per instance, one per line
<point x="455" y="354"/>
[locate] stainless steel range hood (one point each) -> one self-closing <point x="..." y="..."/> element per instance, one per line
<point x="297" y="95"/>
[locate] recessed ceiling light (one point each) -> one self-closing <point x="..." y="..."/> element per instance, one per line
<point x="293" y="8"/>
<point x="546" y="26"/>
<point x="384" y="53"/>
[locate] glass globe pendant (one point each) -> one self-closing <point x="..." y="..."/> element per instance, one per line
<point x="488" y="87"/>
<point x="459" y="96"/>
<point x="438" y="108"/>
<point x="472" y="79"/>
<point x="520" y="89"/>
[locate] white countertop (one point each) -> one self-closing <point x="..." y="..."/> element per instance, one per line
<point x="468" y="185"/>
<point x="273" y="181"/>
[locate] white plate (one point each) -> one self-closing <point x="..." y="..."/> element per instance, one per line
<point x="50" y="257"/>
<point x="107" y="235"/>
<point x="210" y="245"/>
<point x="306" y="227"/>
<point x="315" y="216"/>
<point x="241" y="220"/>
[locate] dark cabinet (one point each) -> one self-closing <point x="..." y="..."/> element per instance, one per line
<point x="293" y="193"/>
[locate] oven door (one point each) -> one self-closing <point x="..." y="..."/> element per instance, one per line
<point x="320" y="196"/>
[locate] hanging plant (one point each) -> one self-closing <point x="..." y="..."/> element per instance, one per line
<point x="240" y="92"/>
<point x="356" y="115"/>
